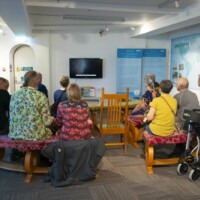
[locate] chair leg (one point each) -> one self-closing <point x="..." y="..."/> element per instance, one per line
<point x="125" y="141"/>
<point x="2" y="151"/>
<point x="30" y="163"/>
<point x="135" y="135"/>
<point x="149" y="157"/>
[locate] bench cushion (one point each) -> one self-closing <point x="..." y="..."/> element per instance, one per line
<point x="137" y="120"/>
<point x="176" y="137"/>
<point x="25" y="145"/>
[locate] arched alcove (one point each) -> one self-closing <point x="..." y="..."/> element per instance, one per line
<point x="22" y="59"/>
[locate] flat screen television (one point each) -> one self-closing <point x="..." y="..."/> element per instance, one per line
<point x="86" y="68"/>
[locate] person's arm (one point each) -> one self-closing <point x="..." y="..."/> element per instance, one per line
<point x="59" y="115"/>
<point x="150" y="115"/>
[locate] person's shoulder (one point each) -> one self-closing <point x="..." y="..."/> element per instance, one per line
<point x="40" y="94"/>
<point x="42" y="86"/>
<point x="191" y="92"/>
<point x="84" y="103"/>
<point x="5" y="92"/>
<point x="156" y="84"/>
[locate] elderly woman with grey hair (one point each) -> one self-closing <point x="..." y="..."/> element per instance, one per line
<point x="29" y="111"/>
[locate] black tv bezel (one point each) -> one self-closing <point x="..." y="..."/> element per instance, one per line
<point x="84" y="77"/>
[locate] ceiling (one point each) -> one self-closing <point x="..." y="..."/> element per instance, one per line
<point x="146" y="17"/>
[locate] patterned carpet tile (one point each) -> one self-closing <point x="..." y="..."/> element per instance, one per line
<point x="117" y="191"/>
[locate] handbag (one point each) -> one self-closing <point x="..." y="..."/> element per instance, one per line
<point x="54" y="106"/>
<point x="176" y="123"/>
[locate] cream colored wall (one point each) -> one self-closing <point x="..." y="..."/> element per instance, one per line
<point x="88" y="46"/>
<point x="52" y="53"/>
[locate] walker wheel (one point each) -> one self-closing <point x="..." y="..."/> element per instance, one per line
<point x="182" y="168"/>
<point x="194" y="175"/>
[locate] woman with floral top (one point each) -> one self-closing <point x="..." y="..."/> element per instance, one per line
<point x="29" y="111"/>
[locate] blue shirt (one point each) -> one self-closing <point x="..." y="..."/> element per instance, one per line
<point x="42" y="88"/>
<point x="57" y="94"/>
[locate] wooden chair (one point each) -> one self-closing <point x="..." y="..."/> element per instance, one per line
<point x="135" y="129"/>
<point x="113" y="118"/>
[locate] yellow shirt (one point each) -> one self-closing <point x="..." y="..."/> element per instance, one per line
<point x="163" y="123"/>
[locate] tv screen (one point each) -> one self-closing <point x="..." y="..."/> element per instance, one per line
<point x="85" y="68"/>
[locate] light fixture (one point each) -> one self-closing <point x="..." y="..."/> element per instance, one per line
<point x="21" y="39"/>
<point x="132" y="28"/>
<point x="176" y="4"/>
<point x="165" y="3"/>
<point x="1" y="30"/>
<point x="94" y="18"/>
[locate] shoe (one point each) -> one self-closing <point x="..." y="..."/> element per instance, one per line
<point x="140" y="141"/>
<point x="142" y="155"/>
<point x="174" y="154"/>
<point x="178" y="150"/>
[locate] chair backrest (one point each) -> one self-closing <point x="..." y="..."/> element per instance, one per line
<point x="113" y="111"/>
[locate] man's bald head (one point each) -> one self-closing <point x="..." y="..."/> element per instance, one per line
<point x="182" y="84"/>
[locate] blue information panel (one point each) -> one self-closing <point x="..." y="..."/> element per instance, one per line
<point x="129" y="71"/>
<point x="134" y="64"/>
<point x="154" y="61"/>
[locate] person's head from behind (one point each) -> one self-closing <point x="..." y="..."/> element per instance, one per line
<point x="31" y="79"/>
<point x="182" y="84"/>
<point x="151" y="76"/>
<point x="166" y="86"/>
<point x="39" y="78"/>
<point x="74" y="92"/>
<point x="4" y="84"/>
<point x="149" y="84"/>
<point x="64" y="81"/>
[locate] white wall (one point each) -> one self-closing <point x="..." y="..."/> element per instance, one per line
<point x="64" y="46"/>
<point x="53" y="50"/>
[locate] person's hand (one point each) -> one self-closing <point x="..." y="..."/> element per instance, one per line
<point x="90" y="123"/>
<point x="145" y="119"/>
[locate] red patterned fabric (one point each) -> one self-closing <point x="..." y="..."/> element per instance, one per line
<point x="25" y="145"/>
<point x="73" y="118"/>
<point x="137" y="120"/>
<point x="177" y="137"/>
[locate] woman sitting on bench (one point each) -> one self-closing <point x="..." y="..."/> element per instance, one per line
<point x="161" y="116"/>
<point x="162" y="112"/>
<point x="29" y="111"/>
<point x="73" y="116"/>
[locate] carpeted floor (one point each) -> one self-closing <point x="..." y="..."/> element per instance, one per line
<point x="121" y="177"/>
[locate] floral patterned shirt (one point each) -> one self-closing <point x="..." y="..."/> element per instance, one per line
<point x="29" y="115"/>
<point x="73" y="118"/>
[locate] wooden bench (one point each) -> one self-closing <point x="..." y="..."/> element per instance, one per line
<point x="32" y="155"/>
<point x="135" y="129"/>
<point x="152" y="140"/>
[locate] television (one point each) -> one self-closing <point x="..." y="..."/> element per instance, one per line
<point x="85" y="68"/>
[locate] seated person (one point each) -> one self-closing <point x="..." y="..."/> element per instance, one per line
<point x="161" y="116"/>
<point x="4" y="106"/>
<point x="147" y="97"/>
<point x="64" y="82"/>
<point x="73" y="116"/>
<point x="29" y="111"/>
<point x="187" y="100"/>
<point x="61" y="94"/>
<point x="41" y="87"/>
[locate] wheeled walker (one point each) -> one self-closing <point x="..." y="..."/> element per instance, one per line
<point x="191" y="157"/>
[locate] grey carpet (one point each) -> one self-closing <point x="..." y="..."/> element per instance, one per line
<point x="121" y="177"/>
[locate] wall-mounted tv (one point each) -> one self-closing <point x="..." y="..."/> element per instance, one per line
<point x="85" y="68"/>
